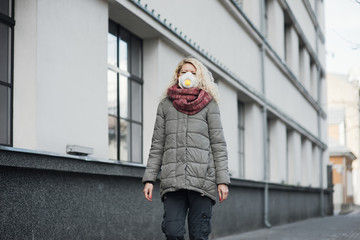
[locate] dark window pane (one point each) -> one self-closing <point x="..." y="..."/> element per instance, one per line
<point x="112" y="92"/>
<point x="5" y="7"/>
<point x="124" y="94"/>
<point x="113" y="28"/>
<point x="4" y="115"/>
<point x="4" y="53"/>
<point x="136" y="57"/>
<point x="113" y="139"/>
<point x="124" y="99"/>
<point x="241" y="138"/>
<point x="135" y="101"/>
<point x="136" y="142"/>
<point x="112" y="49"/>
<point x="124" y="140"/>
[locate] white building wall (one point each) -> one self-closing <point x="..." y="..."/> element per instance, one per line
<point x="60" y="76"/>
<point x="230" y="125"/>
<point x="321" y="53"/>
<point x="304" y="68"/>
<point x="315" y="167"/>
<point x="306" y="162"/>
<point x="338" y="198"/>
<point x="72" y="93"/>
<point x="254" y="142"/>
<point x="320" y="14"/>
<point x="25" y="75"/>
<point x="294" y="157"/>
<point x="324" y="164"/>
<point x="152" y="85"/>
<point x="275" y="27"/>
<point x="275" y="83"/>
<point x="324" y="130"/>
<point x="324" y="154"/>
<point x="231" y="57"/>
<point x="323" y="93"/>
<point x="160" y="61"/>
<point x="356" y="181"/>
<point x="349" y="183"/>
<point x="303" y="18"/>
<point x="277" y="151"/>
<point x="70" y="87"/>
<point x="312" y="4"/>
<point x="292" y="50"/>
<point x="319" y="11"/>
<point x="252" y="9"/>
<point x="314" y="81"/>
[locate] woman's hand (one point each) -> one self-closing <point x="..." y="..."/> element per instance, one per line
<point x="148" y="189"/>
<point x="223" y="191"/>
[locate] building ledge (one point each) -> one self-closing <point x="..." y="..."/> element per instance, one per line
<point x="22" y="158"/>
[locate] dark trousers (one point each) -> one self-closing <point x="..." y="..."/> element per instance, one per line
<point x="181" y="203"/>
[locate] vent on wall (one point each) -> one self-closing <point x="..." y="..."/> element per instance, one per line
<point x="79" y="150"/>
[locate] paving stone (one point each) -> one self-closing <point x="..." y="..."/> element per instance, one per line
<point x="340" y="227"/>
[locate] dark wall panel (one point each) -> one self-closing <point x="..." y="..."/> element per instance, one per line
<point x="52" y="197"/>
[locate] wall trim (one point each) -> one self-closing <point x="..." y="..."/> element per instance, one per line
<point x="22" y="158"/>
<point x="299" y="31"/>
<point x="277" y="59"/>
<point x="226" y="73"/>
<point x="314" y="19"/>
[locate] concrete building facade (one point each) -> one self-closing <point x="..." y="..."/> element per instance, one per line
<point x="83" y="82"/>
<point x="343" y="120"/>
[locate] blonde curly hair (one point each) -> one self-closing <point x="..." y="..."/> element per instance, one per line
<point x="204" y="76"/>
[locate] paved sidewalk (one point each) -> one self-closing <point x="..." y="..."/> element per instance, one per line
<point x="341" y="227"/>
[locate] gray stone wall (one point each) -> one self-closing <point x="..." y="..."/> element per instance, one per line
<point x="58" y="197"/>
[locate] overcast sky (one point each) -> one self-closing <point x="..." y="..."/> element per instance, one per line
<point x="342" y="32"/>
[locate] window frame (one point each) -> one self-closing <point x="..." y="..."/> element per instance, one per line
<point x="9" y="21"/>
<point x="131" y="79"/>
<point x="241" y="137"/>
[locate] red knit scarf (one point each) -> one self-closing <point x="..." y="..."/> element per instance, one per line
<point x="189" y="101"/>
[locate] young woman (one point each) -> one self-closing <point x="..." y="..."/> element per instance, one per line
<point x="189" y="149"/>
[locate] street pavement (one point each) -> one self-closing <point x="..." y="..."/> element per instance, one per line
<point x="340" y="227"/>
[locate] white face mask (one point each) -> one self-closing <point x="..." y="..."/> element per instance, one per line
<point x="188" y="80"/>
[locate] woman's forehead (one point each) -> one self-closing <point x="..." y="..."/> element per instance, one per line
<point x="188" y="66"/>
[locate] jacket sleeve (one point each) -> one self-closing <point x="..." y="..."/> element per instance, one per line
<point x="157" y="148"/>
<point x="218" y="144"/>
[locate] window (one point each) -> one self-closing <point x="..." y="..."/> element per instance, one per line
<point x="336" y="126"/>
<point x="125" y="86"/>
<point x="288" y="39"/>
<point x="241" y="134"/>
<point x="6" y="70"/>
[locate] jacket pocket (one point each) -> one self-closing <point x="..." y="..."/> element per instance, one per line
<point x="210" y="173"/>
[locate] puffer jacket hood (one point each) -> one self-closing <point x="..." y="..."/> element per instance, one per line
<point x="189" y="151"/>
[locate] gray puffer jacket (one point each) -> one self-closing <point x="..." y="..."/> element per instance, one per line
<point x="189" y="150"/>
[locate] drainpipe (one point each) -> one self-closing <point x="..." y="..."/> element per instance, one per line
<point x="265" y="131"/>
<point x="321" y="185"/>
